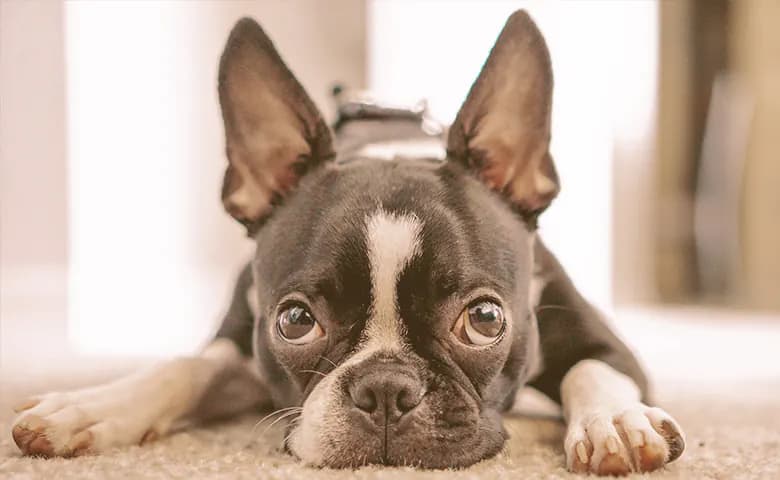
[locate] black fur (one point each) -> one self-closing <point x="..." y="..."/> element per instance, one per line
<point x="314" y="243"/>
<point x="475" y="243"/>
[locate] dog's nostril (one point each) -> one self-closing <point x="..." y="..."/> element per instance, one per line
<point x="364" y="397"/>
<point x="408" y="398"/>
<point x="387" y="396"/>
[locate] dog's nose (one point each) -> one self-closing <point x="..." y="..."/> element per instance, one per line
<point x="386" y="394"/>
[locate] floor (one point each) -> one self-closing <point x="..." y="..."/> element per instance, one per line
<point x="718" y="373"/>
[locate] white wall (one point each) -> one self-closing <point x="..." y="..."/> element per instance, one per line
<point x="152" y="253"/>
<point x="33" y="198"/>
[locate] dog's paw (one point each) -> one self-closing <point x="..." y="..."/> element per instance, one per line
<point x="75" y="423"/>
<point x="634" y="439"/>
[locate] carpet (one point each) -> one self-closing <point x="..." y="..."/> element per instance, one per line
<point x="728" y="407"/>
<point x="733" y="432"/>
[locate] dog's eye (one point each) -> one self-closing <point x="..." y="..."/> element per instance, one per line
<point x="482" y="323"/>
<point x="297" y="325"/>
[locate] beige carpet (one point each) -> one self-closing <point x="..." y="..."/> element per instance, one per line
<point x="733" y="431"/>
<point x="717" y="373"/>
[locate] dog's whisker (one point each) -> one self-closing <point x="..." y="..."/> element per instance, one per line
<point x="276" y="412"/>
<point x="329" y="361"/>
<point x="288" y="414"/>
<point x="313" y="371"/>
<point x="269" y="427"/>
<point x="288" y="436"/>
<point x="254" y="428"/>
<point x="294" y="422"/>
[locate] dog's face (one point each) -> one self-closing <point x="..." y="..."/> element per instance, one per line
<point x="394" y="295"/>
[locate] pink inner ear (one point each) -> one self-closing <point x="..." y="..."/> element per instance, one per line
<point x="255" y="177"/>
<point x="270" y="124"/>
<point x="504" y="124"/>
<point x="286" y="178"/>
<point x="528" y="179"/>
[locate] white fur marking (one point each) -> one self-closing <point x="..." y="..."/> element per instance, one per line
<point x="593" y="384"/>
<point x="320" y="418"/>
<point x="598" y="401"/>
<point x="392" y="242"/>
<point x="121" y="412"/>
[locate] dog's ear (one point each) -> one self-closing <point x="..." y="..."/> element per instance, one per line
<point x="502" y="131"/>
<point x="273" y="131"/>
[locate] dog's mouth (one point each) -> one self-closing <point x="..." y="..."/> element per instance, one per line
<point x="391" y="449"/>
<point x="445" y="429"/>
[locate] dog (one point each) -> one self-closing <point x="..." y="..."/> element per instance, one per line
<point x="396" y="302"/>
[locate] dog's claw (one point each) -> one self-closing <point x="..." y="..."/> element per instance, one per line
<point x="612" y="445"/>
<point x="582" y="453"/>
<point x="579" y="463"/>
<point x="635" y="438"/>
<point x="673" y="438"/>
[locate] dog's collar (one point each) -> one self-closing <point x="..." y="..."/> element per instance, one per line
<point x="369" y="128"/>
<point x="361" y="105"/>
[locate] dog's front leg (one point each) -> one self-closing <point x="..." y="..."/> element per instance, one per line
<point x="600" y="384"/>
<point x="609" y="430"/>
<point x="139" y="407"/>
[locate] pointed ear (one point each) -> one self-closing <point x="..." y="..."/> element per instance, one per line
<point x="273" y="131"/>
<point x="502" y="131"/>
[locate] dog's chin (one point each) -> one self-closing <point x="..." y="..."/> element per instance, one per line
<point x="446" y="430"/>
<point x="434" y="450"/>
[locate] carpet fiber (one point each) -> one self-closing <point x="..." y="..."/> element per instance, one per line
<point x="733" y="431"/>
<point x="717" y="372"/>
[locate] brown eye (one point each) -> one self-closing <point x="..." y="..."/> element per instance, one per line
<point x="297" y="325"/>
<point x="482" y="323"/>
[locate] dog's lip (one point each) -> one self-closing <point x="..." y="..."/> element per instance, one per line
<point x="403" y="424"/>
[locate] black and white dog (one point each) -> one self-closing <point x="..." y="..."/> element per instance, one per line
<point x="396" y="303"/>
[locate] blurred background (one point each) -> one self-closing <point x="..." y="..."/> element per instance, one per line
<point x="113" y="241"/>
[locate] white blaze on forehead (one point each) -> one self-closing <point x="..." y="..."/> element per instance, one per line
<point x="392" y="240"/>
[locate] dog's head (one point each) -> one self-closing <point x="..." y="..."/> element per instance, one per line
<point x="394" y="295"/>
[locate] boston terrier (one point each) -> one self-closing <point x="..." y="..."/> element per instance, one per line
<point x="400" y="294"/>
